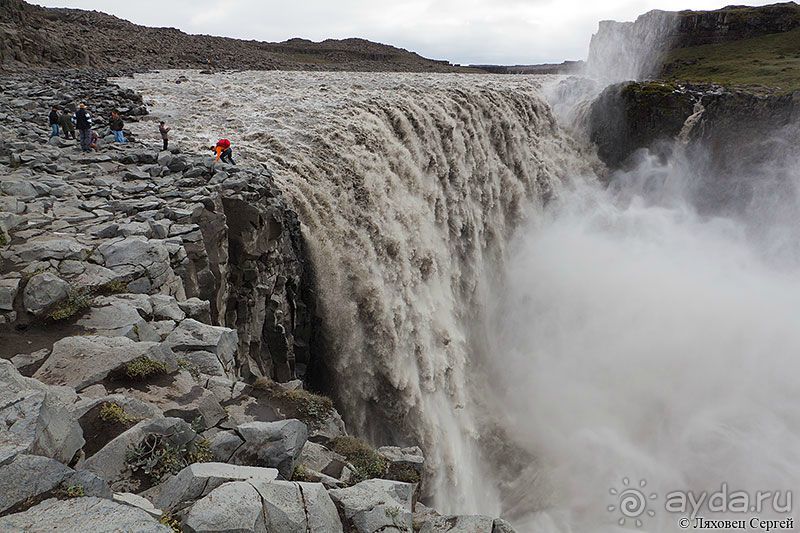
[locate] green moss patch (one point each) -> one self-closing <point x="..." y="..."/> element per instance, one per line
<point x="368" y="463"/>
<point x="142" y="368"/>
<point x="313" y="409"/>
<point x="112" y="413"/>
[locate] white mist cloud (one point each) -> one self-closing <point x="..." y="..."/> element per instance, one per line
<point x="465" y="31"/>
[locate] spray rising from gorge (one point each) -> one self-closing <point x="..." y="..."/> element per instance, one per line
<point x="485" y="295"/>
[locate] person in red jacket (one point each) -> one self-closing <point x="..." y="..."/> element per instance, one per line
<point x="224" y="151"/>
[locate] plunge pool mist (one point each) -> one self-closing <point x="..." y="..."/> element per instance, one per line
<point x="637" y="340"/>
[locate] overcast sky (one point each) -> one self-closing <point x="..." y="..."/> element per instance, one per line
<point x="462" y="31"/>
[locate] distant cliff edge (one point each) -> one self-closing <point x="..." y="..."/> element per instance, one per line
<point x="36" y="36"/>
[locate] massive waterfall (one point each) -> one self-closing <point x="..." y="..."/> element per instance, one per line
<point x="545" y="338"/>
<point x="409" y="188"/>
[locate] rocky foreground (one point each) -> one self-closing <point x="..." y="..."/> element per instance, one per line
<point x="156" y="313"/>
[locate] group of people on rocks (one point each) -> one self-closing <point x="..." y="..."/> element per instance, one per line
<point x="68" y="121"/>
<point x="81" y="119"/>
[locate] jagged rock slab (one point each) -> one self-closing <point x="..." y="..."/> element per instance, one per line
<point x="271" y="444"/>
<point x="29" y="477"/>
<point x="376" y="505"/>
<point x="35" y="419"/>
<point x="183" y="397"/>
<point x="234" y="506"/>
<point x="43" y="292"/>
<point x="134" y="500"/>
<point x="82" y="361"/>
<point x="82" y="514"/>
<point x="197" y="480"/>
<point x="260" y="506"/>
<point x="192" y="337"/>
<point x="117" y="318"/>
<point x="298" y="507"/>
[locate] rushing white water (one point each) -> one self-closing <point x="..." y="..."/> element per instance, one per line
<point x="540" y="352"/>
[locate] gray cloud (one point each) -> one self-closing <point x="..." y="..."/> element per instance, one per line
<point x="463" y="31"/>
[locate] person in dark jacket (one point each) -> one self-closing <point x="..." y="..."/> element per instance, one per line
<point x="164" y="131"/>
<point x="83" y="121"/>
<point x="53" y="122"/>
<point x="116" y="127"/>
<point x="67" y="127"/>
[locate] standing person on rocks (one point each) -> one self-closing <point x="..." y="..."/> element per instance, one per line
<point x="53" y="117"/>
<point x="83" y="120"/>
<point x="67" y="127"/>
<point x="224" y="151"/>
<point x="164" y="131"/>
<point x="116" y="127"/>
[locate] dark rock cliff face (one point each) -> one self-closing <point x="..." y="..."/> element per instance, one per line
<point x="734" y="23"/>
<point x="630" y="116"/>
<point x="266" y="298"/>
<point x="727" y="136"/>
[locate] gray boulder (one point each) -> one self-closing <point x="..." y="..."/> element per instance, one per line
<point x="224" y="444"/>
<point x="52" y="247"/>
<point x="232" y="507"/>
<point x="272" y="444"/>
<point x="298" y="507"/>
<point x="32" y="477"/>
<point x="193" y="336"/>
<point x="324" y="464"/>
<point x="135" y="500"/>
<point x="43" y="292"/>
<point x="182" y="397"/>
<point x="465" y="524"/>
<point x="118" y="318"/>
<point x="82" y="514"/>
<point x="35" y="419"/>
<point x="458" y="524"/>
<point x="198" y="479"/>
<point x="427" y="520"/>
<point x="132" y="406"/>
<point x="8" y="291"/>
<point x="376" y="505"/>
<point x="82" y="361"/>
<point x="145" y="261"/>
<point x="166" y="308"/>
<point x="197" y="309"/>
<point x="404" y="462"/>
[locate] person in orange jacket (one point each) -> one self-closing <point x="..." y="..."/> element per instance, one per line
<point x="224" y="151"/>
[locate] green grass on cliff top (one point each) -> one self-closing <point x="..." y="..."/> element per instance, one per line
<point x="771" y="62"/>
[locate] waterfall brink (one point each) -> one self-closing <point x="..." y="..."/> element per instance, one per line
<point x="409" y="188"/>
